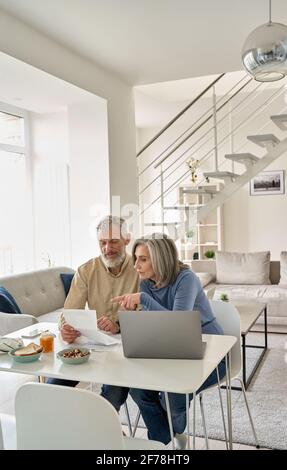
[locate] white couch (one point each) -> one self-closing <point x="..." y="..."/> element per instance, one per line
<point x="40" y="296"/>
<point x="273" y="294"/>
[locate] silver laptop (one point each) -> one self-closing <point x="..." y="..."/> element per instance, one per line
<point x="162" y="334"/>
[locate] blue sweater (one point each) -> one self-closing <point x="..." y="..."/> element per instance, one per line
<point x="185" y="293"/>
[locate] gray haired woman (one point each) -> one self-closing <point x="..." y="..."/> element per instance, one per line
<point x="167" y="284"/>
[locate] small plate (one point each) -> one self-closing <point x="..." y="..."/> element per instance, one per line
<point x="74" y="360"/>
<point x="25" y="359"/>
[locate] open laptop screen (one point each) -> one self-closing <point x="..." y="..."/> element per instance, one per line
<point x="162" y="334"/>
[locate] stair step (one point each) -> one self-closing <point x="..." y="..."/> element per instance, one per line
<point x="244" y="158"/>
<point x="200" y="191"/>
<point x="221" y="175"/>
<point x="280" y="120"/>
<point x="264" y="139"/>
<point x="157" y="224"/>
<point x="184" y="207"/>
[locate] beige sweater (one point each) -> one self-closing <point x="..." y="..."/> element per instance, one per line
<point x="94" y="284"/>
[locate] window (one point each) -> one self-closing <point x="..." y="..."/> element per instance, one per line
<point x="12" y="129"/>
<point x="15" y="198"/>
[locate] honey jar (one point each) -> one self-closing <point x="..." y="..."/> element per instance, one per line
<point x="47" y="341"/>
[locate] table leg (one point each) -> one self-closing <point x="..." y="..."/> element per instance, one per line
<point x="265" y="327"/>
<point x="243" y="360"/>
<point x="169" y="419"/>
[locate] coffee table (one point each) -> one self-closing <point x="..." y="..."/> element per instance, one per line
<point x="249" y="312"/>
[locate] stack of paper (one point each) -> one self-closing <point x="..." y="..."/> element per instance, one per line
<point x="85" y="321"/>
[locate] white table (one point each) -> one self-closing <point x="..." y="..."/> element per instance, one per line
<point x="111" y="367"/>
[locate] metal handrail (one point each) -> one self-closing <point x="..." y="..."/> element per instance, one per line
<point x="257" y="110"/>
<point x="204" y="122"/>
<point x="259" y="85"/>
<point x="193" y="132"/>
<point x="204" y="159"/>
<point x="190" y="127"/>
<point x="179" y="114"/>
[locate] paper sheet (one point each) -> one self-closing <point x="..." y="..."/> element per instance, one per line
<point x="85" y="321"/>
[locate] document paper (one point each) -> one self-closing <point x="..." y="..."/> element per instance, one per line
<point x="85" y="321"/>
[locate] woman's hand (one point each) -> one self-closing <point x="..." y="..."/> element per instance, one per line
<point x="105" y="324"/>
<point x="69" y="334"/>
<point x="128" y="301"/>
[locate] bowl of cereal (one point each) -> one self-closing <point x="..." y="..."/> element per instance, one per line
<point x="74" y="355"/>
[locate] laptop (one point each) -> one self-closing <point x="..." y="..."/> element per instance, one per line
<point x="162" y="334"/>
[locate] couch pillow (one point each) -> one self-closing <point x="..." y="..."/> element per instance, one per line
<point x="283" y="269"/>
<point x="243" y="268"/>
<point x="66" y="280"/>
<point x="7" y="302"/>
<point x="205" y="278"/>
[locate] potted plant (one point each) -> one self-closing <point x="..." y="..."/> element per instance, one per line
<point x="189" y="236"/>
<point x="224" y="297"/>
<point x="210" y="254"/>
<point x="193" y="164"/>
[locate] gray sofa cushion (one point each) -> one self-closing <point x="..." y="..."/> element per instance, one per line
<point x="205" y="278"/>
<point x="242" y="268"/>
<point x="37" y="292"/>
<point x="274" y="296"/>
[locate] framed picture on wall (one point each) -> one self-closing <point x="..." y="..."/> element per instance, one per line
<point x="267" y="182"/>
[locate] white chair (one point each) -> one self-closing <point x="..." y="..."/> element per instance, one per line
<point x="57" y="417"/>
<point x="10" y="322"/>
<point x="7" y="432"/>
<point x="229" y="319"/>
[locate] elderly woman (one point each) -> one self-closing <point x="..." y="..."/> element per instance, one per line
<point x="167" y="284"/>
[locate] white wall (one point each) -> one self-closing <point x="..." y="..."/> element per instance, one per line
<point x="70" y="157"/>
<point x="49" y="156"/>
<point x="30" y="46"/>
<point x="257" y="223"/>
<point x="89" y="175"/>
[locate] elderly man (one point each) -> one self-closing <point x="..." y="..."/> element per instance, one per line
<point x="96" y="282"/>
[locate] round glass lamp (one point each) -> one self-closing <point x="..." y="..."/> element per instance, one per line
<point x="264" y="53"/>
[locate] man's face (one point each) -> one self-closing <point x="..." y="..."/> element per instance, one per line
<point x="112" y="246"/>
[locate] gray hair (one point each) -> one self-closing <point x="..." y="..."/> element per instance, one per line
<point x="163" y="255"/>
<point x="109" y="220"/>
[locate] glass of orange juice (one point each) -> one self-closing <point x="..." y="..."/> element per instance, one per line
<point x="47" y="341"/>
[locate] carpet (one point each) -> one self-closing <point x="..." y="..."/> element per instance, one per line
<point x="267" y="397"/>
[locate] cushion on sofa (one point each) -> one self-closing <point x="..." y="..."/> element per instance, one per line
<point x="205" y="278"/>
<point x="283" y="269"/>
<point x="66" y="280"/>
<point x="242" y="268"/>
<point x="7" y="302"/>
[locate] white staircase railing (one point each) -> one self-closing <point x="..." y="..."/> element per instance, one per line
<point x="244" y="108"/>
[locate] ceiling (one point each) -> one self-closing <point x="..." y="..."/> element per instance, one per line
<point x="32" y="89"/>
<point x="149" y="41"/>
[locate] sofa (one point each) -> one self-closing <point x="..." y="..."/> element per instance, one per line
<point x="40" y="296"/>
<point x="249" y="276"/>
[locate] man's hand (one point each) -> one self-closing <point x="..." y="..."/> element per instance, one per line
<point x="128" y="301"/>
<point x="105" y="324"/>
<point x="69" y="334"/>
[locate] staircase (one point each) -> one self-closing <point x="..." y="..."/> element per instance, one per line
<point x="223" y="141"/>
<point x="253" y="165"/>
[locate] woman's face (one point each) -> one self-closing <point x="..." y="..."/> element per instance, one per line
<point x="143" y="264"/>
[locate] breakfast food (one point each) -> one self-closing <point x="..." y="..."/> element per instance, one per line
<point x="29" y="350"/>
<point x="75" y="353"/>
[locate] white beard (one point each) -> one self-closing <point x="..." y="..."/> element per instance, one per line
<point x="115" y="262"/>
